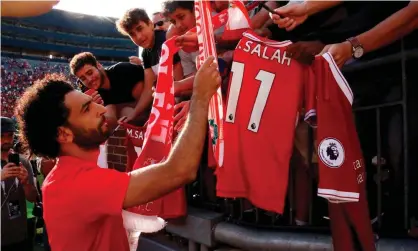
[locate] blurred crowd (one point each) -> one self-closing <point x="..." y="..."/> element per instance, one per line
<point x="18" y="74"/>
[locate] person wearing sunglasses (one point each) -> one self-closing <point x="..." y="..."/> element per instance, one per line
<point x="160" y="23"/>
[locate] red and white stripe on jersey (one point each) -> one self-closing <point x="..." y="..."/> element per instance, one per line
<point x="251" y="35"/>
<point x="335" y="196"/>
<point x="339" y="77"/>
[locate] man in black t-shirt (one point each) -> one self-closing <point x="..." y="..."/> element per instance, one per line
<point x="136" y="24"/>
<point x="119" y="86"/>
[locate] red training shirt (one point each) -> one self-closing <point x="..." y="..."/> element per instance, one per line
<point x="83" y="206"/>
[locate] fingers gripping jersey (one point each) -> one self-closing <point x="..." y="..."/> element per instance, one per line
<point x="261" y="113"/>
<point x="341" y="165"/>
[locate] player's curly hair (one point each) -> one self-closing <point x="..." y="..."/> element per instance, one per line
<point x="80" y="60"/>
<point x="171" y="6"/>
<point x="40" y="111"/>
<point x="130" y="19"/>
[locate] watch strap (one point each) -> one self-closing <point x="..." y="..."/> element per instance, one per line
<point x="354" y="42"/>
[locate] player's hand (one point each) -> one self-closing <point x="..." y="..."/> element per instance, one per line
<point x="181" y="116"/>
<point x="135" y="60"/>
<point x="207" y="80"/>
<point x="188" y="42"/>
<point x="290" y="16"/>
<point x="10" y="170"/>
<point x="23" y="174"/>
<point x="341" y="52"/>
<point x="95" y="96"/>
<point x="304" y="51"/>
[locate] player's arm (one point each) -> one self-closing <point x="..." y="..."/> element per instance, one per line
<point x="145" y="97"/>
<point x="391" y="29"/>
<point x="26" y="8"/>
<point x="149" y="183"/>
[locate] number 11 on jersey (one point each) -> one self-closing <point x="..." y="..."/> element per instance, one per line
<point x="266" y="81"/>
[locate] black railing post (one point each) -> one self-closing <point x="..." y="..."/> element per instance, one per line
<point x="379" y="168"/>
<point x="405" y="135"/>
<point x="291" y="190"/>
<point x="311" y="147"/>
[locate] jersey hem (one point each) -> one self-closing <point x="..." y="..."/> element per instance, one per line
<point x="341" y="196"/>
<point x="231" y="195"/>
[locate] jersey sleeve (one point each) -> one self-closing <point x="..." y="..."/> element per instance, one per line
<point x="146" y="60"/>
<point x="310" y="97"/>
<point x="133" y="72"/>
<point x="100" y="192"/>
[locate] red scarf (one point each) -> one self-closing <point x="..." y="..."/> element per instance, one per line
<point x="206" y="48"/>
<point x="158" y="137"/>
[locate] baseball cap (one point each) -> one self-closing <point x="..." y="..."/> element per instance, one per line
<point x="7" y="125"/>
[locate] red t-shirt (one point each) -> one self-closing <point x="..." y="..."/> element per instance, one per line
<point x="83" y="206"/>
<point x="262" y="109"/>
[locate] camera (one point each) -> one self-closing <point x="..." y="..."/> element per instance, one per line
<point x="14" y="158"/>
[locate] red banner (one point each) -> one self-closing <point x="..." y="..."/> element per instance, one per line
<point x="207" y="48"/>
<point x="158" y="137"/>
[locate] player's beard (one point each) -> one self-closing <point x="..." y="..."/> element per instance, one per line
<point x="91" y="139"/>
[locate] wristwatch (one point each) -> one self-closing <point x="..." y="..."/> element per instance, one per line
<point x="356" y="48"/>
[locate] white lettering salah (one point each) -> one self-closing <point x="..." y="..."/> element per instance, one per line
<point x="261" y="52"/>
<point x="360" y="178"/>
<point x="135" y="134"/>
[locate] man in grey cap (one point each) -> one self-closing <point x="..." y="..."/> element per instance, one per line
<point x="17" y="186"/>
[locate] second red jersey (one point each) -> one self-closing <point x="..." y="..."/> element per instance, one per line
<point x="260" y="117"/>
<point x="341" y="165"/>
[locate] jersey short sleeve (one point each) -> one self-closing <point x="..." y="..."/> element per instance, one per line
<point x="341" y="164"/>
<point x="101" y="191"/>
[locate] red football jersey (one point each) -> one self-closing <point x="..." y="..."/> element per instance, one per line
<point x="341" y="165"/>
<point x="261" y="113"/>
